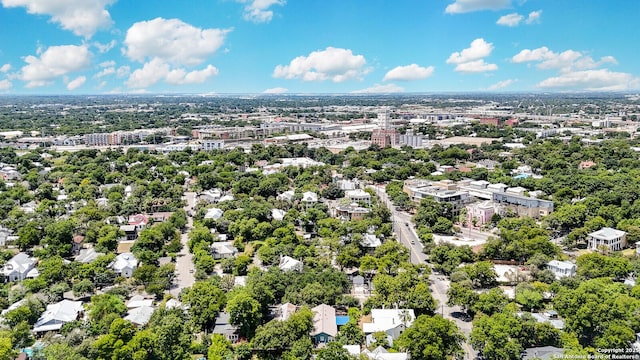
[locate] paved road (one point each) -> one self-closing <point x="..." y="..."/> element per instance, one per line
<point x="184" y="264"/>
<point x="439" y="284"/>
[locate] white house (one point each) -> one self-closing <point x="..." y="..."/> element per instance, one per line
<point x="358" y="196"/>
<point x="125" y="264"/>
<point x="59" y="314"/>
<point x="288" y="263"/>
<point x="223" y="250"/>
<point x="607" y="239"/>
<point x="19" y="267"/>
<point x="286" y="196"/>
<point x="393" y="322"/>
<point x="87" y="256"/>
<point x="309" y="198"/>
<point x="214" y="214"/>
<point x="278" y="214"/>
<point x="140" y="316"/>
<point x="562" y="268"/>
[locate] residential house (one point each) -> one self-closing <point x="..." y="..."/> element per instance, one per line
<point x="284" y="311"/>
<point x="140" y="316"/>
<point x="393" y="322"/>
<point x="5" y="236"/>
<point x="210" y="196"/>
<point x="586" y="165"/>
<point x="381" y="353"/>
<point x="309" y="198"/>
<point x="19" y="267"/>
<point x="124" y="264"/>
<point x="562" y="268"/>
<point x="138" y="300"/>
<point x="87" y="256"/>
<point x="59" y="314"/>
<point x="607" y="239"/>
<point x="286" y="196"/>
<point x="543" y="353"/>
<point x="277" y="214"/>
<point x="324" y="324"/>
<point x="370" y="242"/>
<point x="130" y="232"/>
<point x="160" y="216"/>
<point x="351" y="212"/>
<point x="223" y="327"/>
<point x="223" y="250"/>
<point x="358" y="196"/>
<point x="214" y="214"/>
<point x="77" y="243"/>
<point x="140" y="221"/>
<point x="288" y="263"/>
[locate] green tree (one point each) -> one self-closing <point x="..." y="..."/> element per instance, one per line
<point x="244" y="312"/>
<point x="431" y="337"/>
<point x="205" y="300"/>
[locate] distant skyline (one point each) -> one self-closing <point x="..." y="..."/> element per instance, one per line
<point x="328" y="46"/>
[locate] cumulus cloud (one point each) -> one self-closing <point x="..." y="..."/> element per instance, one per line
<point x="108" y="63"/>
<point x="76" y="83"/>
<point x="510" y="20"/>
<point x="5" y="68"/>
<point x="106" y="71"/>
<point x="156" y="70"/>
<point x="380" y="89"/>
<point x="276" y="90"/>
<point x="592" y="80"/>
<point x="82" y="17"/>
<point x="333" y="64"/>
<point x="534" y="17"/>
<point x="172" y="41"/>
<point x="182" y="77"/>
<point x="54" y="62"/>
<point x="465" y="6"/>
<point x="502" y="84"/>
<point x="258" y="11"/>
<point x="478" y="50"/>
<point x="5" y="85"/>
<point x="475" y="66"/>
<point x="566" y="61"/>
<point x="471" y="59"/>
<point x="408" y="73"/>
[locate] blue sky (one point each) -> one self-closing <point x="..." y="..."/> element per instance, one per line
<point x="317" y="46"/>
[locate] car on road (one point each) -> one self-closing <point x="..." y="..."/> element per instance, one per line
<point x="191" y="271"/>
<point x="406" y="224"/>
<point x="413" y="242"/>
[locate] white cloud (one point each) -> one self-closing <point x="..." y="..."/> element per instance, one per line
<point x="464" y="6"/>
<point x="5" y="85"/>
<point x="123" y="71"/>
<point x="478" y="50"/>
<point x="592" y="80"/>
<point x="5" y="68"/>
<point x="83" y="17"/>
<point x="475" y="66"/>
<point x="181" y="76"/>
<point x="152" y="72"/>
<point x="276" y="90"/>
<point x="510" y="20"/>
<point x="380" y="89"/>
<point x="103" y="48"/>
<point x="76" y="83"/>
<point x="106" y="71"/>
<point x="54" y="62"/>
<point x="156" y="70"/>
<point x="534" y="17"/>
<point x="502" y="84"/>
<point x="470" y="60"/>
<point x="566" y="61"/>
<point x="333" y="64"/>
<point x="408" y="73"/>
<point x="258" y="11"/>
<point x="109" y="63"/>
<point x="172" y="41"/>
